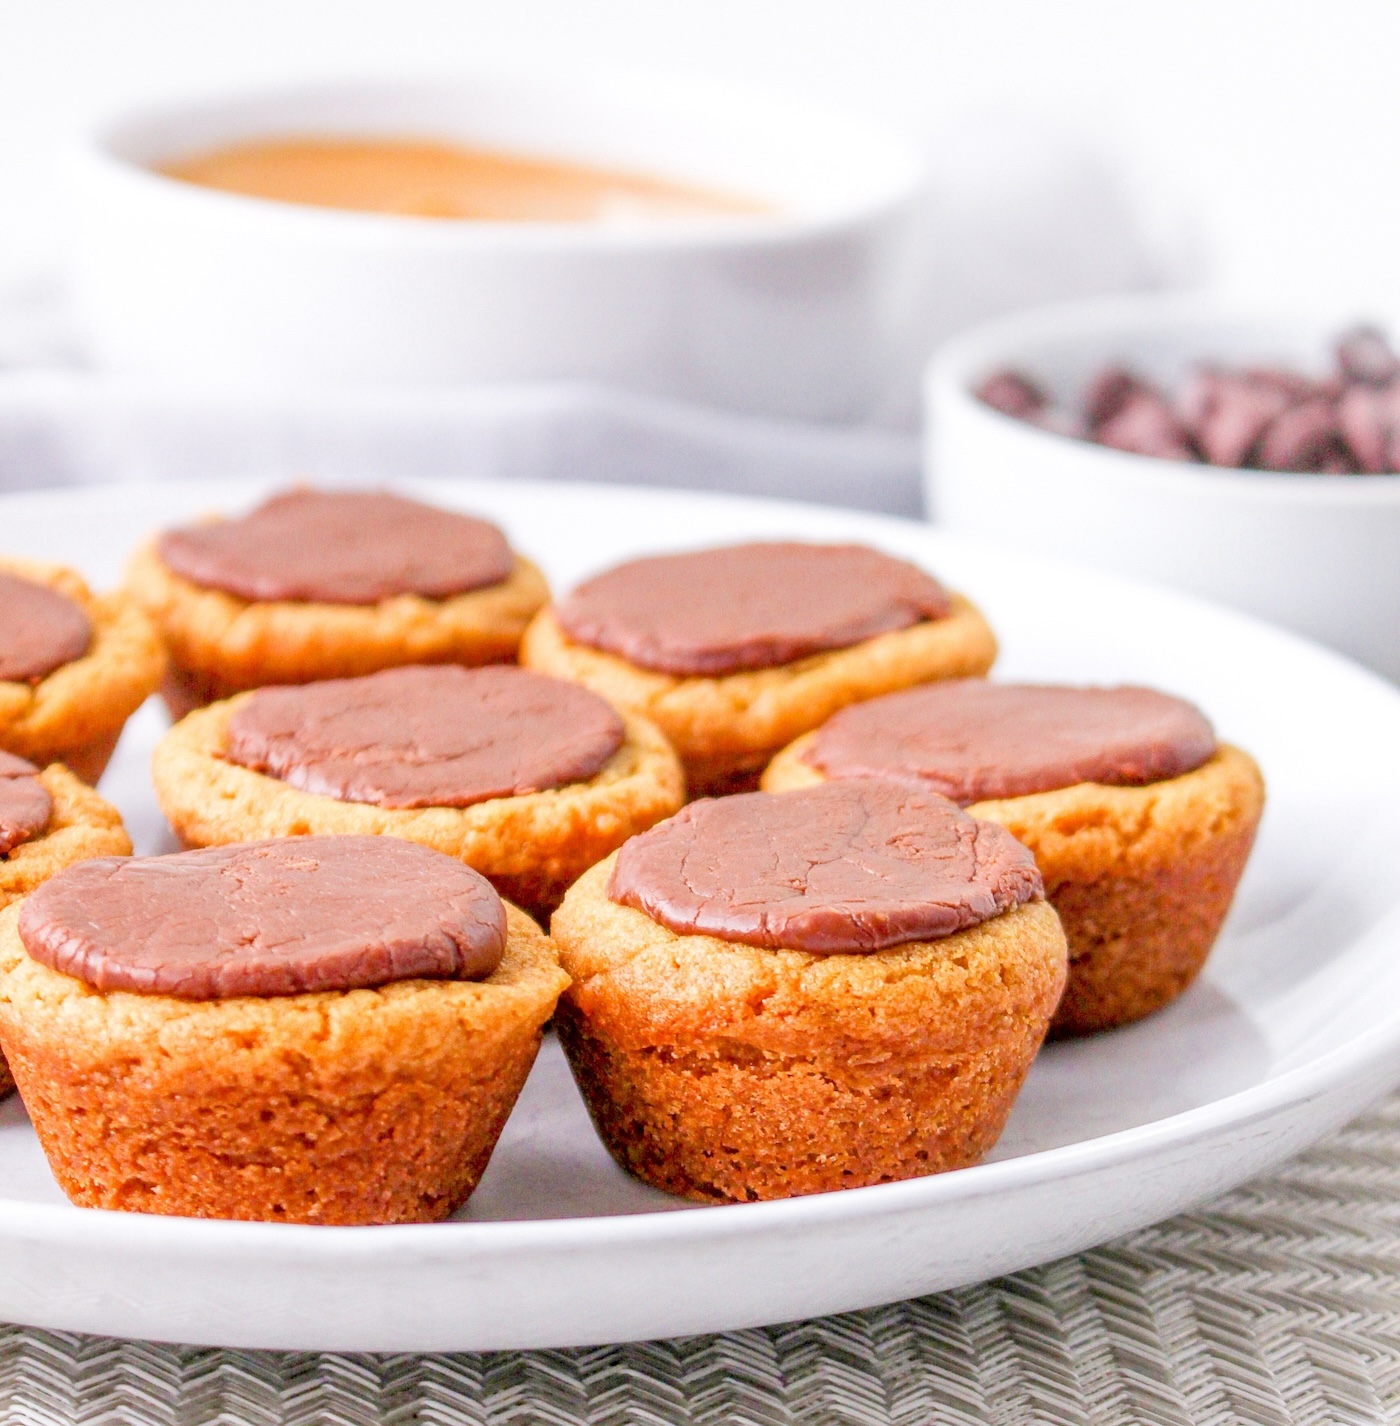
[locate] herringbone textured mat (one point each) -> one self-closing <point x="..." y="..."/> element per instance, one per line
<point x="1278" y="1304"/>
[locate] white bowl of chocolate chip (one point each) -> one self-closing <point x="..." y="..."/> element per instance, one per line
<point x="1132" y="434"/>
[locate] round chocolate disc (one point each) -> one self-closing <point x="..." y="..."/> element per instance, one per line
<point x="25" y="804"/>
<point x="283" y="917"/>
<point x="427" y="737"/>
<point x="747" y="606"/>
<point x="40" y="630"/>
<point x="340" y="547"/>
<point x="972" y="740"/>
<point x="839" y="868"/>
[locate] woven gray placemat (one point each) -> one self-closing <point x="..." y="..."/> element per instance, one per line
<point x="1279" y="1303"/>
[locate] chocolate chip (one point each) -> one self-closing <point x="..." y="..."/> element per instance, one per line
<point x="1147" y="426"/>
<point x="1338" y="462"/>
<point x="1227" y="412"/>
<point x="1364" y="355"/>
<point x="1108" y="393"/>
<point x="1369" y="420"/>
<point x="1301" y="438"/>
<point x="1012" y="394"/>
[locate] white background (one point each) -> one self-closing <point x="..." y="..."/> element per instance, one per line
<point x="1273" y="123"/>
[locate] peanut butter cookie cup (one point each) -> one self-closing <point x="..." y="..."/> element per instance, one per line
<point x="1141" y="823"/>
<point x="781" y="995"/>
<point x="48" y="821"/>
<point x="529" y="779"/>
<point x="734" y="652"/>
<point x="320" y="584"/>
<point x="74" y="666"/>
<point x="326" y="1030"/>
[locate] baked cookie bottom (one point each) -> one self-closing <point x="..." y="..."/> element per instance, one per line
<point x="725" y="729"/>
<point x="366" y="1106"/>
<point x="82" y="826"/>
<point x="726" y="1073"/>
<point x="220" y="644"/>
<point x="76" y="714"/>
<point x="1142" y="877"/>
<point x="531" y="848"/>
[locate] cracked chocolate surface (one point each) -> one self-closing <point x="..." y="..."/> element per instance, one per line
<point x="745" y="607"/>
<point x="845" y="867"/>
<point x="40" y="630"/>
<point x="282" y="917"/>
<point x="25" y="804"/>
<point x="972" y="740"/>
<point x="340" y="547"/>
<point x="427" y="737"/>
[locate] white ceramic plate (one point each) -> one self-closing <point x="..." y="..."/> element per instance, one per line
<point x="1294" y="1026"/>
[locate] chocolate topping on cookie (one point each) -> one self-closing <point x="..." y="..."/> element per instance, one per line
<point x="427" y="737"/>
<point x="282" y="917"/>
<point x="25" y="804"/>
<point x="340" y="547"/>
<point x="40" y="630"/>
<point x="747" y="606"/>
<point x="972" y="740"/>
<point x="843" y="867"/>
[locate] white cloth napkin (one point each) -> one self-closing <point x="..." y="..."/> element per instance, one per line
<point x="69" y="428"/>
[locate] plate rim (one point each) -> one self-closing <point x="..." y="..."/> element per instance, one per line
<point x="1310" y="1080"/>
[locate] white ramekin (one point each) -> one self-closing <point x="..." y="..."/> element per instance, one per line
<point x="1317" y="553"/>
<point x="786" y="313"/>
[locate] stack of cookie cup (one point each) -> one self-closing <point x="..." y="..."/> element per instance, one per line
<point x="74" y="666"/>
<point x="837" y="981"/>
<point x="49" y="820"/>
<point x="534" y="776"/>
<point x="327" y="1030"/>
<point x="734" y="652"/>
<point x="1140" y="821"/>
